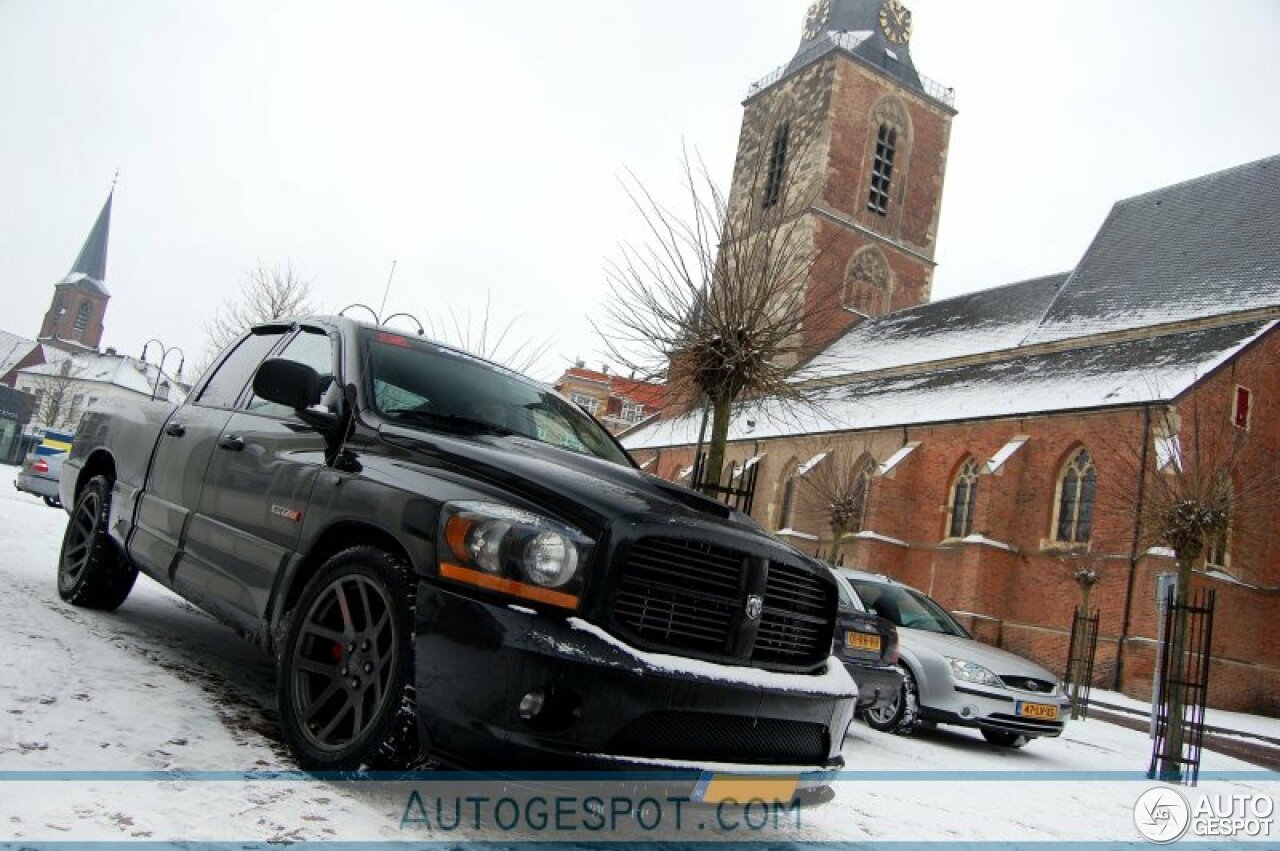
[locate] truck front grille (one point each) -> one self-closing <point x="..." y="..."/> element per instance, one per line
<point x="691" y="598"/>
<point x="719" y="737"/>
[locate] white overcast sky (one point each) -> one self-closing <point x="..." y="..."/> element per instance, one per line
<point x="479" y="144"/>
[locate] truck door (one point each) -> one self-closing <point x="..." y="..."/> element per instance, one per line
<point x="176" y="477"/>
<point x="257" y="489"/>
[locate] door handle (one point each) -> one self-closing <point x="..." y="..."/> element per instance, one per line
<point x="233" y="442"/>
<point x="175" y="429"/>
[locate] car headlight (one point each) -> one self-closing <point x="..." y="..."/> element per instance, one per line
<point x="507" y="549"/>
<point x="970" y="672"/>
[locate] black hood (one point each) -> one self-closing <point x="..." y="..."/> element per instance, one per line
<point x="585" y="489"/>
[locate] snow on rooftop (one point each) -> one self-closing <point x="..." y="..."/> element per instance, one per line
<point x="974" y="323"/>
<point x="1115" y="374"/>
<point x="119" y="370"/>
<point x="13" y="349"/>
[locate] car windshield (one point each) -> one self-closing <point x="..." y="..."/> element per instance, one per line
<point x="907" y="608"/>
<point x="848" y="599"/>
<point x="419" y="383"/>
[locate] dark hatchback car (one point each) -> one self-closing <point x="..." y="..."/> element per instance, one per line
<point x="867" y="644"/>
<point x="446" y="555"/>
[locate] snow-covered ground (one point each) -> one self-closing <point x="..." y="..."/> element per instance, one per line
<point x="109" y="723"/>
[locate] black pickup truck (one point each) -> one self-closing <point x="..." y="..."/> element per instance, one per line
<point x="447" y="557"/>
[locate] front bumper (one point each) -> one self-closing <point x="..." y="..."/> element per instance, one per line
<point x="607" y="705"/>
<point x="972" y="705"/>
<point x="38" y="485"/>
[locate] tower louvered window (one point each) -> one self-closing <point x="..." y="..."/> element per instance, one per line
<point x="882" y="170"/>
<point x="777" y="164"/>
<point x="82" y="320"/>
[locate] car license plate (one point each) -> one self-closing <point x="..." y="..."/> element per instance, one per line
<point x="716" y="788"/>
<point x="1043" y="711"/>
<point x="861" y="641"/>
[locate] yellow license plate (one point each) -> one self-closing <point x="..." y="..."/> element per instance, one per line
<point x="716" y="788"/>
<point x="1043" y="711"/>
<point x="861" y="641"/>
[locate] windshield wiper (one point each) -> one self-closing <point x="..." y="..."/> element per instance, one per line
<point x="453" y="421"/>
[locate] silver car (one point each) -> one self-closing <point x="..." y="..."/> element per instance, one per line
<point x="951" y="678"/>
<point x="39" y="476"/>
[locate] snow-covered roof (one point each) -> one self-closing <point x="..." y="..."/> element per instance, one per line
<point x="119" y="370"/>
<point x="12" y="350"/>
<point x="984" y="321"/>
<point x="1197" y="248"/>
<point x="1149" y="369"/>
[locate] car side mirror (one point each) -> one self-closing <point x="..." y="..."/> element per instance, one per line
<point x="287" y="382"/>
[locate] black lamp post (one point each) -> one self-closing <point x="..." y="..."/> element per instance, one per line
<point x="165" y="351"/>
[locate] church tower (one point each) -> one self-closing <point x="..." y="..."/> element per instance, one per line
<point x="74" y="320"/>
<point x="862" y="138"/>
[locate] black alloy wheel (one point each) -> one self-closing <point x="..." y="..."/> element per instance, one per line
<point x="92" y="572"/>
<point x="345" y="676"/>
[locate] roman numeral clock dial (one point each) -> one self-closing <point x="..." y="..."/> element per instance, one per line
<point x="895" y="21"/>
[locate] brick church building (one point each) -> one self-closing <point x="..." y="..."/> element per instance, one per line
<point x="1004" y="432"/>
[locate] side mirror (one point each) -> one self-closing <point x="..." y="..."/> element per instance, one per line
<point x="289" y="383"/>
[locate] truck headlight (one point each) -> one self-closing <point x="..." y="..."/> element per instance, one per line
<point x="971" y="672"/>
<point x="503" y="548"/>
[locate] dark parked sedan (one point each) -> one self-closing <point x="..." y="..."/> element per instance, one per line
<point x="867" y="644"/>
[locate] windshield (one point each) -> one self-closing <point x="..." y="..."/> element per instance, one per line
<point x="907" y="608"/>
<point x="418" y="383"/>
<point x="848" y="600"/>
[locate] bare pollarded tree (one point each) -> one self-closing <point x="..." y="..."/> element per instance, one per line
<point x="1199" y="477"/>
<point x="713" y="302"/>
<point x="838" y="485"/>
<point x="269" y="292"/>
<point x="56" y="403"/>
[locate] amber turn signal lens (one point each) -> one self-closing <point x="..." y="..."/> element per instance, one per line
<point x="455" y="537"/>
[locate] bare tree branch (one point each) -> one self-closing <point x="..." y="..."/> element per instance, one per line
<point x="713" y="303"/>
<point x="269" y="292"/>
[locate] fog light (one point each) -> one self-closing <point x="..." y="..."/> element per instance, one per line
<point x="531" y="704"/>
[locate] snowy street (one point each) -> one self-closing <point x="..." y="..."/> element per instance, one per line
<point x="90" y="702"/>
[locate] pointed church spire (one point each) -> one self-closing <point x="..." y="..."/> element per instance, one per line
<point x="91" y="263"/>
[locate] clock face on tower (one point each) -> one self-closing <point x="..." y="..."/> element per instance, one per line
<point x="895" y="21"/>
<point x="816" y="18"/>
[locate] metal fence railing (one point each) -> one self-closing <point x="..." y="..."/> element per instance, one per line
<point x="1081" y="653"/>
<point x="1183" y="689"/>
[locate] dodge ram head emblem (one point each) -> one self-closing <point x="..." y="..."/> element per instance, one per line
<point x="755" y="605"/>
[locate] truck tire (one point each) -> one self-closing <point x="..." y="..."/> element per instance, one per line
<point x="92" y="572"/>
<point x="900" y="716"/>
<point x="344" y="681"/>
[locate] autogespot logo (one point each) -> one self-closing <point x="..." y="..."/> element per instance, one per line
<point x="1161" y="815"/>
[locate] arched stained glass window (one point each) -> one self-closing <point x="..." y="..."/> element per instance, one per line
<point x="1076" y="491"/>
<point x="964" y="494"/>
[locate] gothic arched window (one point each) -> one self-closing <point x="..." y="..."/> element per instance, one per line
<point x="787" y="499"/>
<point x="964" y="493"/>
<point x="862" y="495"/>
<point x="82" y="320"/>
<point x="1076" y="489"/>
